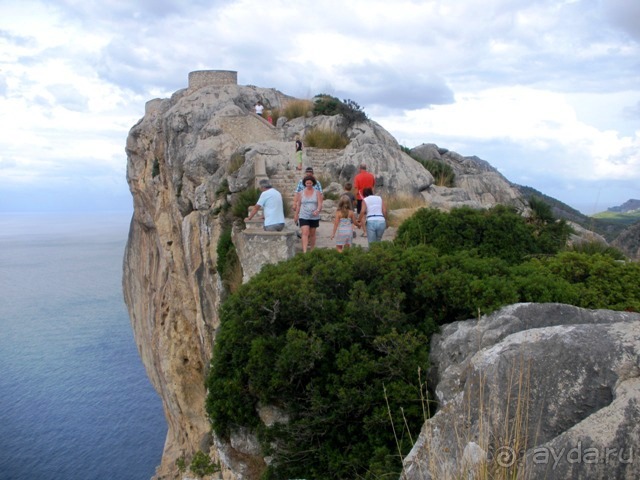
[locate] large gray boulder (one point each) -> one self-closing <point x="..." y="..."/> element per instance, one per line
<point x="534" y="391"/>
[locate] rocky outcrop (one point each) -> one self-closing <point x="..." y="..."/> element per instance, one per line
<point x="477" y="183"/>
<point x="534" y="391"/>
<point x="629" y="242"/>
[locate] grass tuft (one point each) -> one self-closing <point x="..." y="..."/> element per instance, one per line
<point x="323" y="138"/>
<point x="296" y="108"/>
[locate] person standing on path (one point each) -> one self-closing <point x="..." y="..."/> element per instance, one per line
<point x="307" y="213"/>
<point x="363" y="180"/>
<point x="308" y="172"/>
<point x="259" y="108"/>
<point x="343" y="224"/>
<point x="375" y="212"/>
<point x="299" y="152"/>
<point x="271" y="202"/>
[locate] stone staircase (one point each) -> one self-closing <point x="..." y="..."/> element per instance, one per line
<point x="285" y="181"/>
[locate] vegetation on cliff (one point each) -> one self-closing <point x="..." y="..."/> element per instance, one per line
<point x="443" y="174"/>
<point x="337" y="341"/>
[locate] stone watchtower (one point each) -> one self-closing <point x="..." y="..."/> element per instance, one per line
<point x="203" y="78"/>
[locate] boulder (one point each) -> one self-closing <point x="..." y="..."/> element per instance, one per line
<point x="534" y="391"/>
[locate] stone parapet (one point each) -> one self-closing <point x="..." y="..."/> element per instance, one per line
<point x="256" y="248"/>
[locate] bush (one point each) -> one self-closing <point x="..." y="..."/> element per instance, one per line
<point x="243" y="201"/>
<point x="322" y="336"/>
<point x="331" y="337"/>
<point x="328" y="105"/>
<point x="442" y="173"/>
<point x="498" y="232"/>
<point x="202" y="465"/>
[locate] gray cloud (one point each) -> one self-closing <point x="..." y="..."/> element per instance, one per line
<point x="68" y="97"/>
<point x="624" y="14"/>
<point x="401" y="90"/>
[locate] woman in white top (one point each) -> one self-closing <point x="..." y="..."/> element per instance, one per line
<point x="375" y="211"/>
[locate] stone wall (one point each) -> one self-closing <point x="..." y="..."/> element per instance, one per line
<point x="255" y="248"/>
<point x="203" y="78"/>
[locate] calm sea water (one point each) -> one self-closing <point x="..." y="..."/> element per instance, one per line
<point x="75" y="401"/>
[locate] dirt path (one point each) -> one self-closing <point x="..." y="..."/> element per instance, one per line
<point x="323" y="237"/>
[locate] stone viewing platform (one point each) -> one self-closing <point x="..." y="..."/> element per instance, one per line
<point x="204" y="78"/>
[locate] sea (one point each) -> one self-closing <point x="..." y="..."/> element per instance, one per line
<point x="75" y="400"/>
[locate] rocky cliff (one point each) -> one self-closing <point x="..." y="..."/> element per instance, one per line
<point x="179" y="155"/>
<point x="182" y="169"/>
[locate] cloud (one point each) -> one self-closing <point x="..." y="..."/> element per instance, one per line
<point x="624" y="14"/>
<point x="531" y="87"/>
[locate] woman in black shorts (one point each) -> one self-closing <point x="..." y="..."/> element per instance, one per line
<point x="307" y="212"/>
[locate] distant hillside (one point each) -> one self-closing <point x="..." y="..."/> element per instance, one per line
<point x="607" y="224"/>
<point x="627" y="207"/>
<point x="629" y="241"/>
<point x="621" y="218"/>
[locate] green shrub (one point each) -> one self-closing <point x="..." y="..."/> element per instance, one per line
<point x="202" y="465"/>
<point x="323" y="138"/>
<point x="600" y="281"/>
<point x="225" y="244"/>
<point x="223" y="188"/>
<point x="595" y="247"/>
<point x="330" y="337"/>
<point x="498" y="232"/>
<point x="243" y="201"/>
<point x="328" y="105"/>
<point x="181" y="464"/>
<point x="322" y="336"/>
<point x="442" y="172"/>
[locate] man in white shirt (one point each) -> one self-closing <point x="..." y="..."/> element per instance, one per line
<point x="271" y="202"/>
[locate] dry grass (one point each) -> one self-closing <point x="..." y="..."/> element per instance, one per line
<point x="402" y="201"/>
<point x="322" y="138"/>
<point x="502" y="433"/>
<point x="401" y="207"/>
<point x="295" y="109"/>
<point x="236" y="161"/>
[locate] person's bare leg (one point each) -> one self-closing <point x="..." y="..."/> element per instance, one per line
<point x="305" y="238"/>
<point x="312" y="238"/>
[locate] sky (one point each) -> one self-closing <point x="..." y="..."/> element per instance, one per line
<point x="546" y="91"/>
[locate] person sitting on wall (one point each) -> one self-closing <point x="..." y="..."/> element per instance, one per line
<point x="271" y="202"/>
